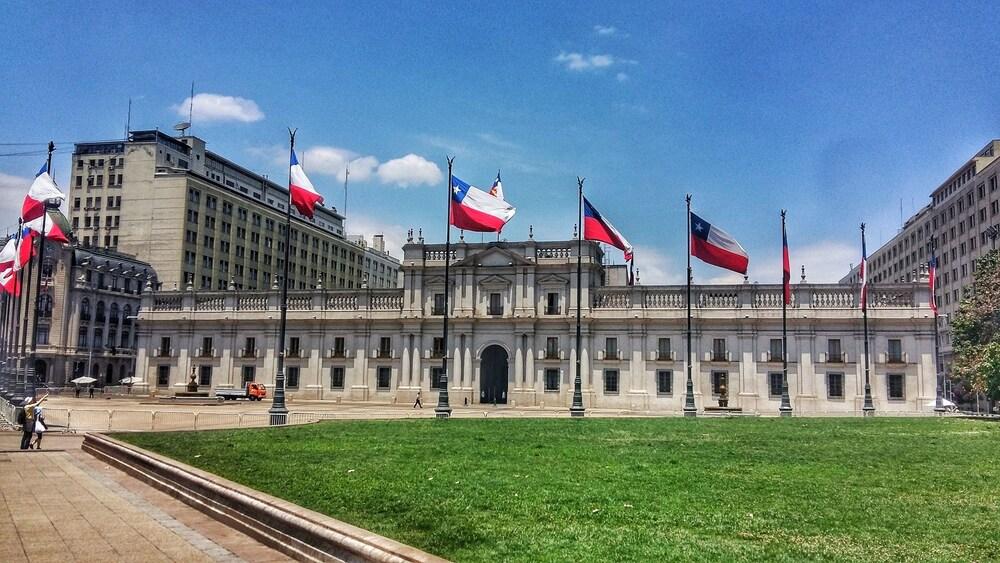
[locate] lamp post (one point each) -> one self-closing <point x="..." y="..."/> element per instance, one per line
<point x="938" y="376"/>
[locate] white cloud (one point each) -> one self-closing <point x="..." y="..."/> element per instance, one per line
<point x="588" y="63"/>
<point x="656" y="268"/>
<point x="217" y="107"/>
<point x="605" y="30"/>
<point x="333" y="161"/>
<point x="825" y="262"/>
<point x="12" y="190"/>
<point x="491" y="139"/>
<point x="621" y="77"/>
<point x="410" y="170"/>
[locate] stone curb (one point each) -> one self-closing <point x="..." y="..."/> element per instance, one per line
<point x="299" y="533"/>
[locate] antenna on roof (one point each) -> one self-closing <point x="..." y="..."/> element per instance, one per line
<point x="128" y="119"/>
<point x="191" y="105"/>
<point x="347" y="174"/>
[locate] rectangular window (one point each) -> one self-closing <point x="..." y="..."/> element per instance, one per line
<point x="610" y="381"/>
<point x="205" y="376"/>
<point x="164" y="346"/>
<point x="339" y="349"/>
<point x="384" y="347"/>
<point x="292" y="377"/>
<point x="776" y="350"/>
<point x="719" y="349"/>
<point x="294" y="347"/>
<point x="384" y="378"/>
<point x="663" y="349"/>
<point x="437" y="347"/>
<point x="664" y="382"/>
<point x="438" y="308"/>
<point x="162" y="376"/>
<point x="437" y="378"/>
<point x="611" y="348"/>
<point x="249" y="372"/>
<point x="897" y="384"/>
<point x="552" y="348"/>
<point x="206" y="347"/>
<point x="720" y="379"/>
<point x="496" y="306"/>
<point x="895" y="351"/>
<point x="337" y="378"/>
<point x="552" y="303"/>
<point x="835" y="385"/>
<point x="551" y="379"/>
<point x="774" y="384"/>
<point x="250" y="347"/>
<point x="833" y="351"/>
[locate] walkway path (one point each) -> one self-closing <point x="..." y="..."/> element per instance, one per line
<point x="61" y="504"/>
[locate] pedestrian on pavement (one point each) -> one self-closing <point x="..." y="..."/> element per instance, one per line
<point x="417" y="403"/>
<point x="26" y="418"/>
<point x="77" y="391"/>
<point x="91" y="391"/>
<point x="39" y="429"/>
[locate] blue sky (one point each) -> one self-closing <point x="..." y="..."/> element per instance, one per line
<point x="835" y="111"/>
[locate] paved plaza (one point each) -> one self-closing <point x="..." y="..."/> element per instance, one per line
<point x="61" y="504"/>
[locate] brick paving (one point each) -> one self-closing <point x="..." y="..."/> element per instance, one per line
<point x="60" y="504"/>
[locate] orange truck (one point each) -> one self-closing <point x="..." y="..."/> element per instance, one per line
<point x="252" y="391"/>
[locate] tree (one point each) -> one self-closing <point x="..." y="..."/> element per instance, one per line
<point x="976" y="329"/>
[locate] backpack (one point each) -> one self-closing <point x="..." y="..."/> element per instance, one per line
<point x="21" y="417"/>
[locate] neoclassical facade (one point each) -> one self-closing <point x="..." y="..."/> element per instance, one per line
<point x="512" y="330"/>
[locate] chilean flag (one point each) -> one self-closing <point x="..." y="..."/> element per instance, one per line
<point x="8" y="278"/>
<point x="304" y="195"/>
<point x="54" y="228"/>
<point x="42" y="189"/>
<point x="932" y="272"/>
<point x="25" y="248"/>
<point x="473" y="209"/>
<point x="596" y="227"/>
<point x="863" y="271"/>
<point x="787" y="275"/>
<point x="497" y="189"/>
<point x="715" y="246"/>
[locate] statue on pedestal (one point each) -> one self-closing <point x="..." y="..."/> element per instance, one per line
<point x="192" y="385"/>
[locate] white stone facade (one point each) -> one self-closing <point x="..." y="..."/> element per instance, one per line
<point x="511" y="300"/>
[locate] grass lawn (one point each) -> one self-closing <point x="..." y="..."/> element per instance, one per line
<point x="662" y="489"/>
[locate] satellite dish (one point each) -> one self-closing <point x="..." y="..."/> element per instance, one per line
<point x="182" y="126"/>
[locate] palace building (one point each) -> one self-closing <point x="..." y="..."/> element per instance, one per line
<point x="512" y="329"/>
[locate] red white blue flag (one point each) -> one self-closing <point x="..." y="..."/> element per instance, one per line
<point x="596" y="227"/>
<point x="932" y="272"/>
<point x="786" y="266"/>
<point x="473" y="209"/>
<point x="863" y="272"/>
<point x="8" y="277"/>
<point x="41" y="190"/>
<point x="717" y="247"/>
<point x="304" y="195"/>
<point x="497" y="189"/>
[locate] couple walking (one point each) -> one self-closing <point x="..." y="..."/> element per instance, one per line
<point x="32" y="422"/>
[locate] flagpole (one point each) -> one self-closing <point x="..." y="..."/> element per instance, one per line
<point x="577" y="410"/>
<point x="30" y="374"/>
<point x="278" y="412"/>
<point x="938" y="376"/>
<point x="689" y="407"/>
<point x="869" y="407"/>
<point x="443" y="408"/>
<point x="786" y="405"/>
<point x="25" y="306"/>
<point x="15" y="316"/>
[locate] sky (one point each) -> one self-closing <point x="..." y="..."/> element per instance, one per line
<point x="838" y="112"/>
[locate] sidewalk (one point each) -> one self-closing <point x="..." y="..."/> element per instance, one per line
<point x="61" y="504"/>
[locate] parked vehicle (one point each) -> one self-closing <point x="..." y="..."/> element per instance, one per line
<point x="252" y="391"/>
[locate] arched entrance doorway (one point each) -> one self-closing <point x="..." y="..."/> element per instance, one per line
<point x="41" y="371"/>
<point x="493" y="375"/>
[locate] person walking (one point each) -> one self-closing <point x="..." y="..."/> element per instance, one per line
<point x="40" y="428"/>
<point x="77" y="391"/>
<point x="26" y="418"/>
<point x="417" y="403"/>
<point x="91" y="391"/>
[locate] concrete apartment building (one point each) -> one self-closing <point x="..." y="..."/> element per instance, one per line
<point x="204" y="221"/>
<point x="964" y="216"/>
<point x="512" y="327"/>
<point x="90" y="300"/>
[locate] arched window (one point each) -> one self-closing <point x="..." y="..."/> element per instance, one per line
<point x="114" y="314"/>
<point x="121" y="372"/>
<point x="127" y="314"/>
<point x="85" y="309"/>
<point x="95" y="371"/>
<point x="99" y="316"/>
<point x="109" y="375"/>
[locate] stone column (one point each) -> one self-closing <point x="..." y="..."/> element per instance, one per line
<point x="406" y="376"/>
<point x="519" y="361"/>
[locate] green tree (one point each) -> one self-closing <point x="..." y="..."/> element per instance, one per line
<point x="976" y="329"/>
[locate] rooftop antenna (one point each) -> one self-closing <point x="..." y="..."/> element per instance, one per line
<point x="183" y="126"/>
<point x="347" y="174"/>
<point x="128" y="119"/>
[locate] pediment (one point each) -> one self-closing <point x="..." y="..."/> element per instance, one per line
<point x="494" y="257"/>
<point x="435" y="280"/>
<point x="495" y="282"/>
<point x="552" y="279"/>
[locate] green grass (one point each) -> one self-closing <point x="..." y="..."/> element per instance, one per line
<point x="634" y="489"/>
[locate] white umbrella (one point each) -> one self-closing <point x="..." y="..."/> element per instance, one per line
<point x="944" y="403"/>
<point x="130" y="381"/>
<point x="83" y="379"/>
